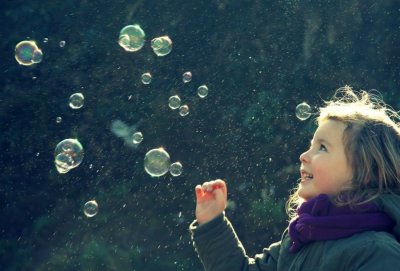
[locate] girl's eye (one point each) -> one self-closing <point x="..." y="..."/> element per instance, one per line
<point x="322" y="147"/>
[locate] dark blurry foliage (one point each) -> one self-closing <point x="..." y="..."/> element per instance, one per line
<point x="259" y="60"/>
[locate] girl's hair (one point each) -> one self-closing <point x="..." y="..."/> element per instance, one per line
<point x="371" y="140"/>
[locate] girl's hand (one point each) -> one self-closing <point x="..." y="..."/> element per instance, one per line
<point x="210" y="200"/>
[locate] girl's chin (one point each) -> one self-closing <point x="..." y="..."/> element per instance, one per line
<point x="305" y="195"/>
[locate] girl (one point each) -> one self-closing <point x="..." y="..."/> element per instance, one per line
<point x="345" y="212"/>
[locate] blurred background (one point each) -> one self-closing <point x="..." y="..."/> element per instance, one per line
<point x="259" y="60"/>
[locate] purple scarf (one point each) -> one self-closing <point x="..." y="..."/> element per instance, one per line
<point x="318" y="219"/>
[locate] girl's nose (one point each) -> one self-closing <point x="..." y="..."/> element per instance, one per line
<point x="304" y="157"/>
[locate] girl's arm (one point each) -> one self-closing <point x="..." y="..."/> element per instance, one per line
<point x="215" y="240"/>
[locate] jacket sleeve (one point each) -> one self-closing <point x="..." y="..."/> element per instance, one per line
<point x="219" y="248"/>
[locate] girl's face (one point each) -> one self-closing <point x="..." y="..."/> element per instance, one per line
<point x="324" y="168"/>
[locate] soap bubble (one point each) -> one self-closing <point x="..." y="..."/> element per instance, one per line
<point x="184" y="110"/>
<point x="137" y="137"/>
<point x="156" y="162"/>
<point x="187" y="77"/>
<point x="175" y="169"/>
<point x="146" y="78"/>
<point x="27" y="53"/>
<point x="303" y="111"/>
<point x="76" y="100"/>
<point x="202" y="91"/>
<point x="59" y="119"/>
<point x="161" y="46"/>
<point x="62" y="43"/>
<point x="131" y="38"/>
<point x="174" y="102"/>
<point x="68" y="155"/>
<point x="91" y="208"/>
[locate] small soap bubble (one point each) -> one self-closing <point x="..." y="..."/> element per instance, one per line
<point x="45" y="40"/>
<point x="174" y="102"/>
<point x="303" y="111"/>
<point x="27" y="53"/>
<point x="184" y="110"/>
<point x="202" y="91"/>
<point x="91" y="208"/>
<point x="76" y="100"/>
<point x="137" y="137"/>
<point x="175" y="169"/>
<point x="146" y="78"/>
<point x="187" y="77"/>
<point x="157" y="162"/>
<point x="62" y="43"/>
<point x="68" y="155"/>
<point x="59" y="119"/>
<point x="161" y="46"/>
<point x="131" y="38"/>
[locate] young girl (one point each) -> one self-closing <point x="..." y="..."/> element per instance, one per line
<point x="345" y="213"/>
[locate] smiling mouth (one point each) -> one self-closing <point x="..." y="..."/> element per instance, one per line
<point x="305" y="176"/>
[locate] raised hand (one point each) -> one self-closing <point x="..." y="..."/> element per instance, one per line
<point x="210" y="200"/>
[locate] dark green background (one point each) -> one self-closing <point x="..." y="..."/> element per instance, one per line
<point x="258" y="58"/>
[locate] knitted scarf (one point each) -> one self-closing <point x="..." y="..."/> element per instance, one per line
<point x="318" y="219"/>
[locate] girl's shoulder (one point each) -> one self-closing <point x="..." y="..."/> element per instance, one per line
<point x="362" y="252"/>
<point x="369" y="250"/>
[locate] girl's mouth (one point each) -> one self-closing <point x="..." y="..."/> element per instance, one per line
<point x="305" y="176"/>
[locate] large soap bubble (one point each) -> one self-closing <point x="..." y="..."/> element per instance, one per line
<point x="131" y="38"/>
<point x="68" y="155"/>
<point x="27" y="53"/>
<point x="157" y="162"/>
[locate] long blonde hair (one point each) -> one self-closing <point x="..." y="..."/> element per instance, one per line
<point x="372" y="146"/>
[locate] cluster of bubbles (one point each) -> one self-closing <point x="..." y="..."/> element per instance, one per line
<point x="303" y="111"/>
<point x="68" y="155"/>
<point x="132" y="39"/>
<point x="157" y="163"/>
<point x="174" y="102"/>
<point x="161" y="46"/>
<point x="28" y="53"/>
